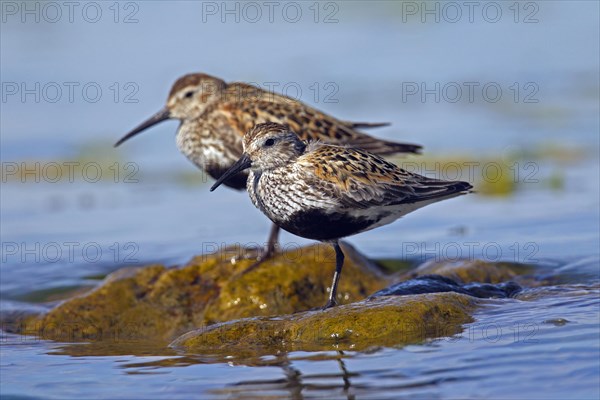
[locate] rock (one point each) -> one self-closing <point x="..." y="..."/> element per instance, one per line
<point x="158" y="303"/>
<point x="441" y="284"/>
<point x="493" y="291"/>
<point x="297" y="280"/>
<point x="383" y="321"/>
<point x="466" y="271"/>
<point x="154" y="304"/>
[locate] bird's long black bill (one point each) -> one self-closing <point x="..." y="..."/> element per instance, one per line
<point x="243" y="163"/>
<point x="160" y="116"/>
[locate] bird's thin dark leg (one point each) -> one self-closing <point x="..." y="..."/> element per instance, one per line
<point x="339" y="263"/>
<point x="272" y="242"/>
<point x="268" y="251"/>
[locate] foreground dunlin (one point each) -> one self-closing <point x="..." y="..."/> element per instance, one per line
<point x="327" y="192"/>
<point x="215" y="115"/>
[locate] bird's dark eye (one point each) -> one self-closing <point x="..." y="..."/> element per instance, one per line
<point x="269" y="142"/>
<point x="188" y="94"/>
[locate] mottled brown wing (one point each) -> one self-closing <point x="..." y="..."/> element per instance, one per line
<point x="237" y="91"/>
<point x="355" y="178"/>
<point x="251" y="106"/>
<point x="360" y="179"/>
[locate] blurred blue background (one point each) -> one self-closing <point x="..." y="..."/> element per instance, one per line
<point x="76" y="79"/>
<point x="368" y="50"/>
<point x="534" y="106"/>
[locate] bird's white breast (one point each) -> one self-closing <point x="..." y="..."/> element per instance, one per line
<point x="281" y="193"/>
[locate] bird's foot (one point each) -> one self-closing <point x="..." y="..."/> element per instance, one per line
<point x="250" y="253"/>
<point x="259" y="254"/>
<point x="247" y="253"/>
<point x="330" y="303"/>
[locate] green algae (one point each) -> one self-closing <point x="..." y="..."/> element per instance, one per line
<point x="264" y="307"/>
<point x="295" y="281"/>
<point x="389" y="321"/>
<point x="519" y="168"/>
<point x="467" y="271"/>
<point x="53" y="294"/>
<point x="159" y="303"/>
<point x="392" y="265"/>
<point x="516" y="169"/>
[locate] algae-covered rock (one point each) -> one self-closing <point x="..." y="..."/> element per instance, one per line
<point x="155" y="304"/>
<point x="466" y="271"/>
<point x="120" y="309"/>
<point x="297" y="280"/>
<point x="384" y="321"/>
<point x="158" y="303"/>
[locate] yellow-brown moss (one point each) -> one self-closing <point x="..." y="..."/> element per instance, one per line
<point x="295" y="281"/>
<point x="467" y="271"/>
<point x="386" y="321"/>
<point x="156" y="303"/>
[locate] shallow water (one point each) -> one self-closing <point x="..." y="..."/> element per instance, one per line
<point x="541" y="348"/>
<point x="58" y="237"/>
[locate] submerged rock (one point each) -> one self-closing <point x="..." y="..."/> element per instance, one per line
<point x="466" y="271"/>
<point x="441" y="284"/>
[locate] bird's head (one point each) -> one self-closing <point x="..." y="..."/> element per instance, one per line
<point x="266" y="146"/>
<point x="189" y="97"/>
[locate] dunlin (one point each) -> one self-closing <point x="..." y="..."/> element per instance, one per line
<point x="327" y="192"/>
<point x="215" y="115"/>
